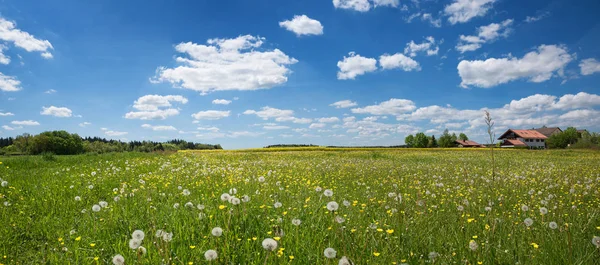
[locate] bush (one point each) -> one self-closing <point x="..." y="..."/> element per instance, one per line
<point x="48" y="156"/>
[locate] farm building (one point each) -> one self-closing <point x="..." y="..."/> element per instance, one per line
<point x="523" y="138"/>
<point x="468" y="143"/>
<point x="548" y="131"/>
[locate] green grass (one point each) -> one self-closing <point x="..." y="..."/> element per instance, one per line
<point x="35" y="228"/>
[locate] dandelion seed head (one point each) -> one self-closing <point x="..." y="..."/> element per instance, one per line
<point x="277" y="205"/>
<point x="332" y="206"/>
<point x="138" y="234"/>
<point x="269" y="244"/>
<point x="118" y="260"/>
<point x="328" y="193"/>
<point x="103" y="204"/>
<point x="345" y="261"/>
<point x="210" y="255"/>
<point x="225" y="197"/>
<point x="553" y="225"/>
<point x="77" y="198"/>
<point x="296" y="222"/>
<point x="524" y="208"/>
<point x="245" y="198"/>
<point x="330" y="253"/>
<point x="96" y="208"/>
<point x="528" y="222"/>
<point x="134" y="243"/>
<point x="596" y="241"/>
<point x="217" y="231"/>
<point x="543" y="210"/>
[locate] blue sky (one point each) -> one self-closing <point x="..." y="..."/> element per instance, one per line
<point x="342" y="72"/>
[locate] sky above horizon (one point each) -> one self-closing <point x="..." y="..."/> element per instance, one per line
<point x="250" y="73"/>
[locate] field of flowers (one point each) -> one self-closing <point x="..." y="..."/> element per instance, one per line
<point x="304" y="207"/>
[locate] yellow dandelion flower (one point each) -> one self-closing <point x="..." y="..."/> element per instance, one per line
<point x="390" y="231"/>
<point x="221" y="207"/>
<point x="78" y="238"/>
<point x="92" y="245"/>
<point x="192" y="247"/>
<point x="376" y="254"/>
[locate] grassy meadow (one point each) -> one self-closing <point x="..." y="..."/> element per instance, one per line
<point x="393" y="207"/>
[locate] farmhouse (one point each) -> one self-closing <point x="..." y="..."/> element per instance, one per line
<point x="523" y="138"/>
<point x="467" y="143"/>
<point x="548" y="131"/>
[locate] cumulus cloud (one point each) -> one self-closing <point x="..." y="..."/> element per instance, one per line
<point x="398" y="60"/>
<point x="461" y="11"/>
<point x="268" y="113"/>
<point x="355" y="65"/>
<point x="159" y="127"/>
<point x="433" y="21"/>
<point x="536" y="66"/>
<point x="85" y="124"/>
<point x="429" y="46"/>
<point x="237" y="134"/>
<point x="60" y="112"/>
<point x="23" y="40"/>
<point x="155" y="107"/>
<point x="530" y="19"/>
<point x="364" y="5"/>
<point x="393" y="106"/>
<point x="303" y="25"/>
<point x="485" y="34"/>
<point x="9" y="83"/>
<point x="328" y="119"/>
<point x="317" y="125"/>
<point x="50" y="91"/>
<point x="26" y="123"/>
<point x="114" y="133"/>
<point x="4" y="114"/>
<point x="589" y="66"/>
<point x="221" y="102"/>
<point x="275" y="127"/>
<point x="343" y="104"/>
<point x="227" y="64"/>
<point x="8" y="128"/>
<point x="211" y="115"/>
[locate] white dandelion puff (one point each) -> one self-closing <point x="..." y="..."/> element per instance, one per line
<point x="210" y="255"/>
<point x="142" y="250"/>
<point x="528" y="222"/>
<point x="553" y="225"/>
<point x="596" y="241"/>
<point x="200" y="207"/>
<point x="159" y="233"/>
<point x="543" y="210"/>
<point x="261" y="179"/>
<point x="269" y="244"/>
<point x="328" y="193"/>
<point x="186" y="192"/>
<point x="330" y="253"/>
<point x="345" y="261"/>
<point x="473" y="245"/>
<point x="225" y="197"/>
<point x="346" y="203"/>
<point x="77" y="198"/>
<point x="96" y="208"/>
<point x="103" y="204"/>
<point x="245" y="198"/>
<point x="332" y="206"/>
<point x="138" y="234"/>
<point x="134" y="243"/>
<point x="189" y="205"/>
<point x="118" y="260"/>
<point x="339" y="219"/>
<point x="296" y="222"/>
<point x="233" y="191"/>
<point x="277" y="205"/>
<point x="217" y="231"/>
<point x="176" y="205"/>
<point x="524" y="208"/>
<point x="167" y="237"/>
<point x="318" y="189"/>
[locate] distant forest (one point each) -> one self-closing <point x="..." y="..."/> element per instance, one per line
<point x="64" y="143"/>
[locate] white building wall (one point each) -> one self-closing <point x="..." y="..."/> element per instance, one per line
<point x="535" y="143"/>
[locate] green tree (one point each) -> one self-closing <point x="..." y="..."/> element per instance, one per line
<point x="432" y="142"/>
<point x="421" y="140"/>
<point x="463" y="137"/>
<point x="447" y="140"/>
<point x="409" y="141"/>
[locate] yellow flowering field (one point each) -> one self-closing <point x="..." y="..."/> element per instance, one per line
<point x="303" y="207"/>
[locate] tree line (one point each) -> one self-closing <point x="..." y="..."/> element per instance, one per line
<point x="420" y="140"/>
<point x="574" y="139"/>
<point x="65" y="143"/>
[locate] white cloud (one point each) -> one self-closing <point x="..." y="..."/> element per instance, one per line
<point x="152" y="115"/>
<point x="211" y="115"/>
<point x="244" y="134"/>
<point x="26" y="123"/>
<point x="159" y="127"/>
<point x="461" y="11"/>
<point x="589" y="66"/>
<point x="355" y="65"/>
<point x="537" y="66"/>
<point x="343" y="104"/>
<point x="154" y="102"/>
<point x="579" y="100"/>
<point x="4" y="114"/>
<point x="275" y="127"/>
<point x="227" y="64"/>
<point x="428" y="46"/>
<point x="485" y="34"/>
<point x="3" y="58"/>
<point x="328" y="119"/>
<point x="358" y="5"/>
<point x="51" y="91"/>
<point x="152" y="107"/>
<point x="303" y="25"/>
<point x="300" y="120"/>
<point x="317" y="125"/>
<point x="434" y="22"/>
<point x="398" y="60"/>
<point x="60" y="112"/>
<point x="392" y="3"/>
<point x="85" y="124"/>
<point x="221" y="102"/>
<point x="210" y="129"/>
<point x="8" y="128"/>
<point x="393" y="106"/>
<point x="24" y="40"/>
<point x="114" y="133"/>
<point x="529" y="19"/>
<point x="268" y="113"/>
<point x="9" y="83"/>
<point x="211" y="135"/>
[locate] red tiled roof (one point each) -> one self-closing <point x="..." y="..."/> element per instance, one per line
<point x="468" y="143"/>
<point x="513" y="142"/>
<point x="526" y="134"/>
